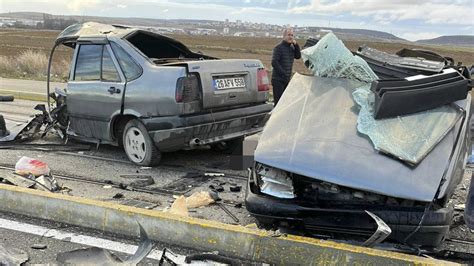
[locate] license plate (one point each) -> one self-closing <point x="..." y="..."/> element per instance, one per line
<point x="229" y="83"/>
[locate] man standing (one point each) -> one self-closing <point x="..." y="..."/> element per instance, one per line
<point x="282" y="62"/>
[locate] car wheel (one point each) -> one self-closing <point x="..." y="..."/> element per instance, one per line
<point x="228" y="146"/>
<point x="138" y="145"/>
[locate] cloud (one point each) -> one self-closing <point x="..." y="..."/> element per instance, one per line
<point x="415" y="36"/>
<point x="79" y="5"/>
<point x="121" y="6"/>
<point x="434" y="12"/>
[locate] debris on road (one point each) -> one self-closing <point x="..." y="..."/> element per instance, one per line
<point x="118" y="196"/>
<point x="231" y="215"/>
<point x="39" y="246"/>
<point x="217" y="188"/>
<point x="12" y="256"/>
<point x="199" y="199"/>
<point x="214" y="174"/>
<point x="138" y="180"/>
<point x="8" y="98"/>
<point x="32" y="173"/>
<point x="3" y="127"/>
<point x="27" y="166"/>
<point x="207" y="258"/>
<point x="19" y="180"/>
<point x="48" y="183"/>
<point x="99" y="256"/>
<point x="178" y="207"/>
<point x="235" y="188"/>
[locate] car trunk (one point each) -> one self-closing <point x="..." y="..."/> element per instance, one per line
<point x="220" y="83"/>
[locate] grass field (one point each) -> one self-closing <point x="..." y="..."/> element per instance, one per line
<point x="14" y="43"/>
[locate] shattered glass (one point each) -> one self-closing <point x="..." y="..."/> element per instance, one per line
<point x="409" y="138"/>
<point x="330" y="58"/>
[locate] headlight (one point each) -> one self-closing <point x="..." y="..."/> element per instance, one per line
<point x="274" y="182"/>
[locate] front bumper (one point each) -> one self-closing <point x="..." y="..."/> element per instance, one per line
<point x="211" y="128"/>
<point x="353" y="221"/>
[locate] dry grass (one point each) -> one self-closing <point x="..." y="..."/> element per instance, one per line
<point x="33" y="65"/>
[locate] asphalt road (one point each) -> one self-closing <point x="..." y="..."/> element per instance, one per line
<point x="28" y="85"/>
<point x="42" y="241"/>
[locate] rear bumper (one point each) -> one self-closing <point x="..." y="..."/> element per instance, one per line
<point x="208" y="128"/>
<point x="353" y="221"/>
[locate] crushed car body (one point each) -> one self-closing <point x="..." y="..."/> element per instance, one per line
<point x="321" y="172"/>
<point x="151" y="94"/>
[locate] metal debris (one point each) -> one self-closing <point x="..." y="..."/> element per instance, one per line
<point x="382" y="232"/>
<point x="98" y="256"/>
<point x="12" y="256"/>
<point x="231" y="215"/>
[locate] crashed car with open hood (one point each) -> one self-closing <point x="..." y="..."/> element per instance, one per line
<point x="151" y="94"/>
<point x="324" y="163"/>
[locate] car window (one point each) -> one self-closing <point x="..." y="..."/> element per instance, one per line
<point x="109" y="72"/>
<point x="130" y="69"/>
<point x="88" y="63"/>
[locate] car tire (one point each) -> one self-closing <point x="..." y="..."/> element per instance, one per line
<point x="138" y="145"/>
<point x="228" y="146"/>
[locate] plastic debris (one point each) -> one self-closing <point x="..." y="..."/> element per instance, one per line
<point x="179" y="207"/>
<point x="199" y="199"/>
<point x="26" y="166"/>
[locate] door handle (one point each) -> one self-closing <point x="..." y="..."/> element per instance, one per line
<point x="113" y="90"/>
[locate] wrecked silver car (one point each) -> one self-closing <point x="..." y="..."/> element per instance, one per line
<point x="151" y="94"/>
<point x="333" y="163"/>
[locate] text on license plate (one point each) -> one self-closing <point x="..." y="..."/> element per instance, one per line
<point x="229" y="83"/>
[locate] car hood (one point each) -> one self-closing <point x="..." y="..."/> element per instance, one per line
<point x="313" y="132"/>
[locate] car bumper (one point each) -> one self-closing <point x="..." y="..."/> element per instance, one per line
<point x="312" y="219"/>
<point x="209" y="128"/>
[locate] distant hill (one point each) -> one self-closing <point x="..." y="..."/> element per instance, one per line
<point x="358" y="34"/>
<point x="345" y="34"/>
<point x="458" y="40"/>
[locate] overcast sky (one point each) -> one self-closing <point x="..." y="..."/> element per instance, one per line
<point x="409" y="19"/>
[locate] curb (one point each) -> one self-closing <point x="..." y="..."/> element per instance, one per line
<point x="229" y="240"/>
<point x="32" y="96"/>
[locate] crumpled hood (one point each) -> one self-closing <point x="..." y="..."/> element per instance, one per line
<point x="313" y="132"/>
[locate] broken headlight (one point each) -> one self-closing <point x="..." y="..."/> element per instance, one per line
<point x="274" y="182"/>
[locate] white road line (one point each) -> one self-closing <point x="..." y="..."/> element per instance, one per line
<point x="78" y="239"/>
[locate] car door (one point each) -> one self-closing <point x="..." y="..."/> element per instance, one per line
<point x="95" y="91"/>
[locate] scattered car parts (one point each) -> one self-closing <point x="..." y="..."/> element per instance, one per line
<point x="418" y="93"/>
<point x="98" y="256"/>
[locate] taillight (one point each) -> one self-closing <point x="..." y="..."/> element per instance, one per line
<point x="262" y="80"/>
<point x="187" y="89"/>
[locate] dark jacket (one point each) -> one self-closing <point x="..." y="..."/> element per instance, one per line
<point x="282" y="61"/>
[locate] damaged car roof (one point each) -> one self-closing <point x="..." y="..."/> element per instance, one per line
<point x="95" y="30"/>
<point x="320" y="140"/>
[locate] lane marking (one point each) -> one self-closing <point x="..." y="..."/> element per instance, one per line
<point x="79" y="239"/>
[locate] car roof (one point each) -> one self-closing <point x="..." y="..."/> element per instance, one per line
<point x="92" y="30"/>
